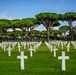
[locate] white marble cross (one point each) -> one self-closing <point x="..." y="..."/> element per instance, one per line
<point x="63" y="57"/>
<point x="58" y="44"/>
<point x="62" y="45"/>
<point x="55" y="51"/>
<point x="22" y="57"/>
<point x="13" y="45"/>
<point x="74" y="46"/>
<point x="68" y="46"/>
<point x="34" y="48"/>
<point x="51" y="48"/>
<point x="31" y="49"/>
<point x="19" y="47"/>
<point x="28" y="44"/>
<point x="4" y="46"/>
<point x="9" y="50"/>
<point x="24" y="45"/>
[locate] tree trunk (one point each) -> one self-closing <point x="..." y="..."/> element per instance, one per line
<point x="26" y="35"/>
<point x="5" y="36"/>
<point x="72" y="34"/>
<point x="54" y="36"/>
<point x="5" y="31"/>
<point x="14" y="34"/>
<point x="65" y="36"/>
<point x="48" y="33"/>
<point x="31" y="33"/>
<point x="71" y="30"/>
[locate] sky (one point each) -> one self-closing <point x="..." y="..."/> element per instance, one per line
<point x="18" y="9"/>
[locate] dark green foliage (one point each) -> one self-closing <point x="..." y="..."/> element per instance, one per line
<point x="36" y="33"/>
<point x="48" y="20"/>
<point x="70" y="17"/>
<point x="16" y="23"/>
<point x="18" y="32"/>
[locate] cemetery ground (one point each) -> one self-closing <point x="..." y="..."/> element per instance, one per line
<point x="43" y="62"/>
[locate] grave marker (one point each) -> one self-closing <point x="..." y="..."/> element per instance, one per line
<point x="19" y="47"/>
<point x="51" y="48"/>
<point x="31" y="49"/>
<point x="22" y="57"/>
<point x="68" y="46"/>
<point x="62" y="45"/>
<point x="63" y="57"/>
<point x="4" y="47"/>
<point x="9" y="50"/>
<point x="55" y="51"/>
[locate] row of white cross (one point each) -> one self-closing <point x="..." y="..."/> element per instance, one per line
<point x="22" y="57"/>
<point x="34" y="49"/>
<point x="10" y="46"/>
<point x="36" y="45"/>
<point x="52" y="48"/>
<point x="63" y="57"/>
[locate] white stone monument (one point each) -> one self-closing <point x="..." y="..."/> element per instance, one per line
<point x="31" y="49"/>
<point x="58" y="43"/>
<point x="68" y="46"/>
<point x="51" y="48"/>
<point x="13" y="45"/>
<point x="34" y="48"/>
<point x="62" y="45"/>
<point x="55" y="49"/>
<point x="63" y="57"/>
<point x="9" y="50"/>
<point x="4" y="47"/>
<point x="19" y="47"/>
<point x="22" y="57"/>
<point x="24" y="45"/>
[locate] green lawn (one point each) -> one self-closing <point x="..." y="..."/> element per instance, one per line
<point x="42" y="62"/>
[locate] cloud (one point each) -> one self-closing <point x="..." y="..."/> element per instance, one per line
<point x="5" y="16"/>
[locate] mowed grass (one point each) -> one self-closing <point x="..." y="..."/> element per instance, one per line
<point x="43" y="62"/>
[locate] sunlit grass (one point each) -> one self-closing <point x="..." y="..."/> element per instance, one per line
<point x="42" y="62"/>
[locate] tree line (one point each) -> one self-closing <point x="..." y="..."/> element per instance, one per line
<point x="48" y="19"/>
